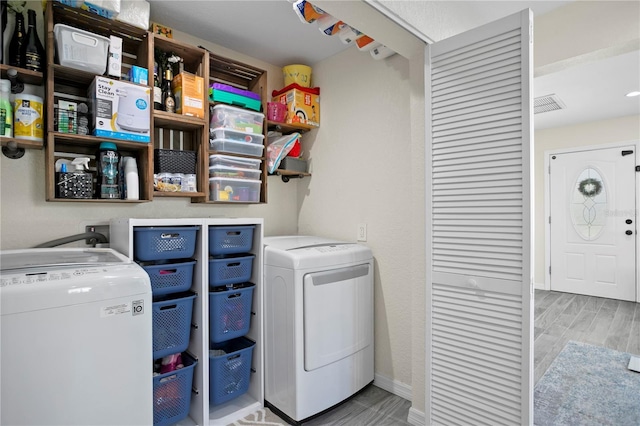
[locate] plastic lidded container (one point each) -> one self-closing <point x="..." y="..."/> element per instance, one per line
<point x="234" y="172"/>
<point x="242" y="148"/>
<point x="229" y="161"/>
<point x="234" y="118"/>
<point x="236" y="135"/>
<point x="234" y="190"/>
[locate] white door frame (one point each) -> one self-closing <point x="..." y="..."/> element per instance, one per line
<point x="547" y="203"/>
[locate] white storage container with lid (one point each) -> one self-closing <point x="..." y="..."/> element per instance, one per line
<point x="234" y="118"/>
<point x="81" y="49"/>
<point x="236" y="135"/>
<point x="229" y="161"/>
<point x="242" y="148"/>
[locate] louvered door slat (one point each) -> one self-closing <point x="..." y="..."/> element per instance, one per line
<point x="479" y="255"/>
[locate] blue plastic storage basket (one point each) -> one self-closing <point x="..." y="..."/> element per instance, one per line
<point x="229" y="369"/>
<point x="172" y="394"/>
<point x="230" y="239"/>
<point x="171" y="325"/>
<point x="230" y="270"/>
<point x="162" y="243"/>
<point x="230" y="312"/>
<point x="167" y="278"/>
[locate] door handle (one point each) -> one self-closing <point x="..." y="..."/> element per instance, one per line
<point x="629" y="232"/>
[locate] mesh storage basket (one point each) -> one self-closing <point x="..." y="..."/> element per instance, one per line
<point x="167" y="278"/>
<point x="230" y="239"/>
<point x="230" y="269"/>
<point x="230" y="311"/>
<point x="229" y="369"/>
<point x="172" y="325"/>
<point x="174" y="161"/>
<point x="163" y="243"/>
<point x="172" y="394"/>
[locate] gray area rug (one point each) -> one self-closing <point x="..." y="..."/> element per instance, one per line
<point x="588" y="385"/>
<point x="264" y="416"/>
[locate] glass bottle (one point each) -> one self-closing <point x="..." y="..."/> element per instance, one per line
<point x="168" y="100"/>
<point x="17" y="40"/>
<point x="32" y="50"/>
<point x="157" y="90"/>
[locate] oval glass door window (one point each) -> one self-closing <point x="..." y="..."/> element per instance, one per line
<point x="588" y="204"/>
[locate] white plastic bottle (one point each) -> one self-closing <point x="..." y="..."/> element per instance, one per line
<point x="131" y="178"/>
<point x="6" y="109"/>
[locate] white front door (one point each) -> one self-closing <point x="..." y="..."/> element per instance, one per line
<point x="593" y="222"/>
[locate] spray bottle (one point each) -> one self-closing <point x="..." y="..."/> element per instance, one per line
<point x="6" y="110"/>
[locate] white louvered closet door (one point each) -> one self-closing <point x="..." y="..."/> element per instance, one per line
<point x="479" y="296"/>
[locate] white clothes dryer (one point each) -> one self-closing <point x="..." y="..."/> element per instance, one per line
<point x="318" y="323"/>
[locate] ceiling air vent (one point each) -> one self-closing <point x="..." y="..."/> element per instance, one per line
<point x="547" y="103"/>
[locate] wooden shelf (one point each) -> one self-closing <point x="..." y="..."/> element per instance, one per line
<point x="95" y="141"/>
<point x="287" y="128"/>
<point x="180" y="194"/>
<point x="287" y="175"/>
<point x="24" y="75"/>
<point x="177" y="121"/>
<point x="97" y="200"/>
<point x="22" y="143"/>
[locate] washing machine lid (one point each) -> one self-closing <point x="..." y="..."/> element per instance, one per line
<point x="311" y="252"/>
<point x="34" y="279"/>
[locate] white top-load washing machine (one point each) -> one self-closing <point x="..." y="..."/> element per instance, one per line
<point x="76" y="339"/>
<point x="318" y="323"/>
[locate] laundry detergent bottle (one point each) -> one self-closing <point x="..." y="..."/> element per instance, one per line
<point x="108" y="181"/>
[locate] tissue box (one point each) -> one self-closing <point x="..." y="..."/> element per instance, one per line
<point x="189" y="92"/>
<point x="135" y="12"/>
<point x="303" y="104"/>
<point x="106" y="8"/>
<point x="120" y="109"/>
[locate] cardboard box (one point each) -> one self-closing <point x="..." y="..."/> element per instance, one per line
<point x="120" y="110"/>
<point x="189" y="92"/>
<point x="303" y="104"/>
<point x="161" y="30"/>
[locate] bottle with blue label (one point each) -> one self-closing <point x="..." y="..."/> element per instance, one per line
<point x="108" y="160"/>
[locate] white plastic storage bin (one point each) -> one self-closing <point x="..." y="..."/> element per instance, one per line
<point x="81" y="49"/>
<point x="228" y="117"/>
<point x="235" y="190"/>
<point x="234" y="172"/>
<point x="242" y="148"/>
<point x="236" y="135"/>
<point x="229" y="161"/>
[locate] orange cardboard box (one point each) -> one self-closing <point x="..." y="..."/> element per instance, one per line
<point x="189" y="92"/>
<point x="303" y="104"/>
<point x="161" y="30"/>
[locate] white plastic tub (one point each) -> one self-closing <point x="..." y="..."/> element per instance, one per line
<point x="234" y="173"/>
<point x="233" y="118"/>
<point x="81" y="49"/>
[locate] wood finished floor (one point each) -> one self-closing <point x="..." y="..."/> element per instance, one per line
<point x="559" y="317"/>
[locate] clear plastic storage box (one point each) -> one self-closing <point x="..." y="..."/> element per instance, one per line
<point x="236" y="135"/>
<point x="234" y="173"/>
<point x="81" y="49"/>
<point x="229" y="161"/>
<point x="242" y="148"/>
<point x="233" y="118"/>
<point x="234" y="190"/>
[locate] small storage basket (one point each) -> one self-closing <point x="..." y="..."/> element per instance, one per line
<point x="230" y="312"/>
<point x="230" y="269"/>
<point x="167" y="278"/>
<point x="172" y="325"/>
<point x="229" y="369"/>
<point x="172" y="394"/>
<point x="230" y="239"/>
<point x="162" y="243"/>
<point x="175" y="161"/>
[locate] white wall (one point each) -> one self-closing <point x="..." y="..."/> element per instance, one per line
<point x="623" y="129"/>
<point x="361" y="173"/>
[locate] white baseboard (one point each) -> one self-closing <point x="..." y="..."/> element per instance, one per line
<point x="403" y="390"/>
<point x="416" y="417"/>
<point x="538" y="286"/>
